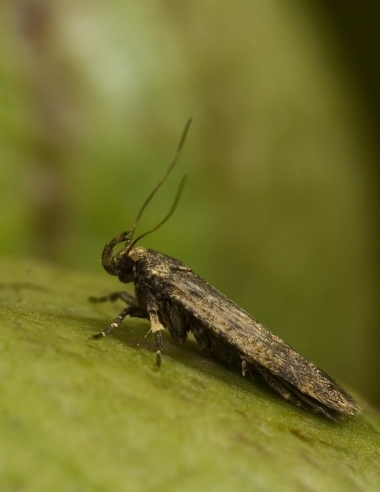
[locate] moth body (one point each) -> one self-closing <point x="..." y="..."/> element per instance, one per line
<point x="171" y="296"/>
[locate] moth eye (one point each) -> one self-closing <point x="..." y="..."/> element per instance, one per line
<point x="126" y="264"/>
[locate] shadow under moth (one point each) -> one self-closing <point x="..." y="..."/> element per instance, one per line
<point x="171" y="296"/>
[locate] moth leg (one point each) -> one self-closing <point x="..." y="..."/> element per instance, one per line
<point x="155" y="327"/>
<point x="244" y="367"/>
<point x="124" y="296"/>
<point x="158" y="342"/>
<point x="247" y="368"/>
<point x="132" y="311"/>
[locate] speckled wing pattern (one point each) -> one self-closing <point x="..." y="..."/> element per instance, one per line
<point x="285" y="370"/>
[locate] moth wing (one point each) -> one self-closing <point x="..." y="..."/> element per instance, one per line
<point x="288" y="372"/>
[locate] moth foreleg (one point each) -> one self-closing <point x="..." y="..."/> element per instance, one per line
<point x="124" y="296"/>
<point x="132" y="311"/>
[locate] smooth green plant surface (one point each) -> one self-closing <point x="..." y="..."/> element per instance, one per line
<point x="80" y="415"/>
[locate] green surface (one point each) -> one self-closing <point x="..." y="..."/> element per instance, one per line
<point x="280" y="210"/>
<point x="80" y="415"/>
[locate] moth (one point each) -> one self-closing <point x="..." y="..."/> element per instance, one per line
<point x="171" y="296"/>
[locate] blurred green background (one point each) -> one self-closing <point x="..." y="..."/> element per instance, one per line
<point x="280" y="211"/>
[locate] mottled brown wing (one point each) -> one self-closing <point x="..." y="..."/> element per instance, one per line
<point x="282" y="365"/>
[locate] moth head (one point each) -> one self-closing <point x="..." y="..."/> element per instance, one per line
<point x="120" y="264"/>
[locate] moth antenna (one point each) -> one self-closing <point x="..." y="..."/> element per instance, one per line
<point x="161" y="182"/>
<point x="167" y="216"/>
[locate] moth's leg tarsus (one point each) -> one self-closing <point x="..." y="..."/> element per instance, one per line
<point x="114" y="296"/>
<point x="158" y="342"/>
<point x="156" y="328"/>
<point x="132" y="311"/>
<point x="98" y="299"/>
<point x="244" y="367"/>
